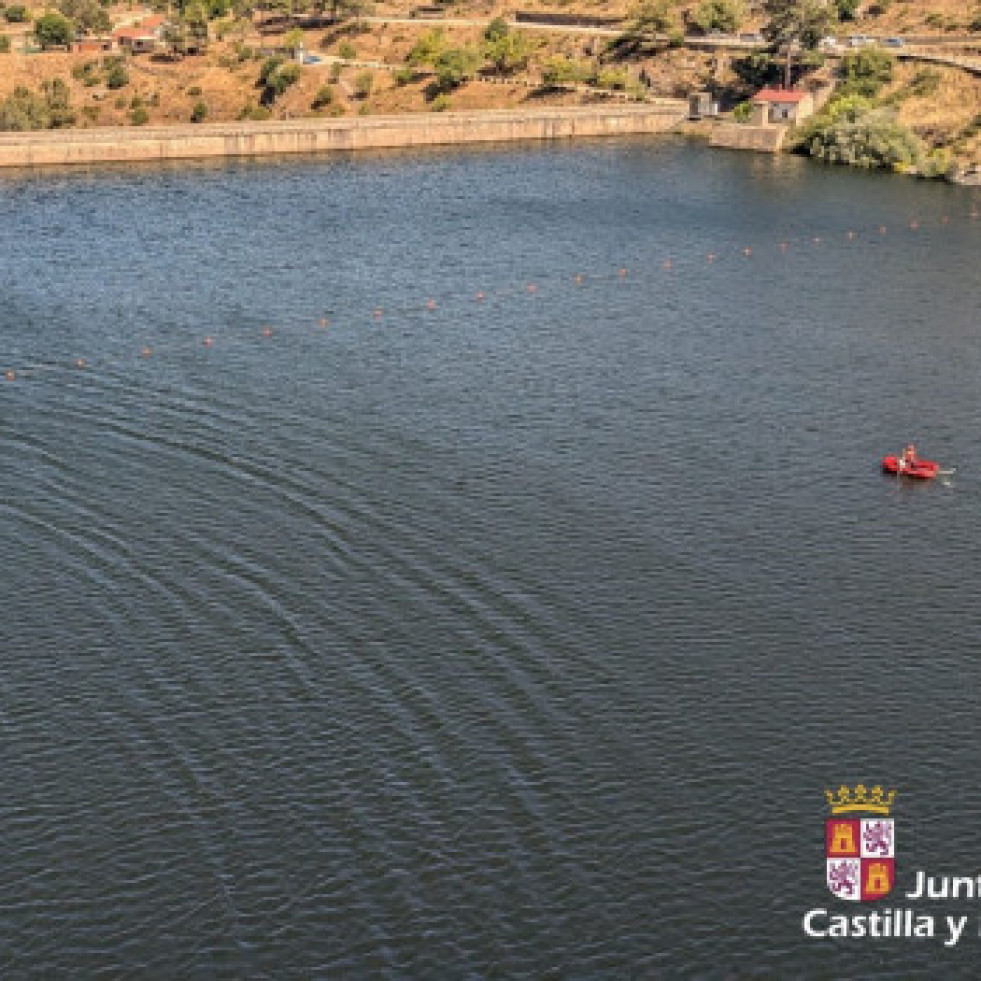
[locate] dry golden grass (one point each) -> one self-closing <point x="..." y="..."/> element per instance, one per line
<point x="950" y="101"/>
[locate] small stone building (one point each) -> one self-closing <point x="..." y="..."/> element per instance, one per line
<point x="781" y="106"/>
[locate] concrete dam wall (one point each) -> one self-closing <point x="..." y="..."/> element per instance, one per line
<point x="253" y="139"/>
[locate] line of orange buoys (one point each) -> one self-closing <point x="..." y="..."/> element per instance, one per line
<point x="531" y="288"/>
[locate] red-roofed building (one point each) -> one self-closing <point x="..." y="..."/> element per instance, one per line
<point x="781" y="106"/>
<point x="143" y="37"/>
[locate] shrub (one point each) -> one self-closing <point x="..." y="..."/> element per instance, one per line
<point x="441" y="103"/>
<point x="17" y="14"/>
<point x="335" y="72"/>
<point x="718" y="15"/>
<point x="347" y="51"/>
<point x="194" y="91"/>
<point x="136" y="102"/>
<point x="323" y="98"/>
<point x="199" y="113"/>
<point x="611" y="78"/>
<point x="560" y="70"/>
<point x="254" y="112"/>
<point x="363" y="84"/>
<point x="403" y="76"/>
<point x="865" y="139"/>
<point x="427" y="49"/>
<point x="846" y="9"/>
<point x="87" y="16"/>
<point x="4" y="44"/>
<point x="139" y="116"/>
<point x="53" y="30"/>
<point x="925" y="82"/>
<point x="496" y="29"/>
<point x="116" y="75"/>
<point x="48" y="109"/>
<point x="743" y="112"/>
<point x="275" y="77"/>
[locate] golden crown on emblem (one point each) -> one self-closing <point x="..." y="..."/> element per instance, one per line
<point x="874" y="800"/>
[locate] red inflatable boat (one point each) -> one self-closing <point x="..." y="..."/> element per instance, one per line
<point x="920" y="469"/>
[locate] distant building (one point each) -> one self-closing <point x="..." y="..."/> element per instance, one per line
<point x="781" y="106"/>
<point x="141" y="38"/>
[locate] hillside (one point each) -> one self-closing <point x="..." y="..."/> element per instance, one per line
<point x="362" y="68"/>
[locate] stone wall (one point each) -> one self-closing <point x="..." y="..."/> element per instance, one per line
<point x="744" y="136"/>
<point x="249" y="139"/>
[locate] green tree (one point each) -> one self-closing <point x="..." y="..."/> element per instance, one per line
<point x="846" y="9"/>
<point x="88" y="16"/>
<point x="275" y="77"/>
<point x="456" y="66"/>
<point x="16" y="14"/>
<point x="427" y="50"/>
<point x="4" y="44"/>
<point x="53" y="30"/>
<point x="803" y="21"/>
<point x="560" y="70"/>
<point x="508" y="52"/>
<point x="652" y="17"/>
<point x="650" y="21"/>
<point x="497" y="29"/>
<point x="199" y="113"/>
<point x="718" y="15"/>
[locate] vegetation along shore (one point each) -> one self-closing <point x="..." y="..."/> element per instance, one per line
<point x="901" y="80"/>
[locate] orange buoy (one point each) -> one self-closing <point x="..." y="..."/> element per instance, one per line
<point x="80" y="362"/>
<point x="208" y="341"/>
<point x="667" y="264"/>
<point x="623" y="273"/>
<point x="430" y="304"/>
<point x="784" y="246"/>
<point x="146" y="352"/>
<point x="851" y="235"/>
<point x="710" y="257"/>
<point x="480" y="295"/>
<point x="578" y="279"/>
<point x="10" y="374"/>
<point x="914" y="224"/>
<point x="747" y="251"/>
<point x="267" y="332"/>
<point x="531" y="287"/>
<point x="323" y="322"/>
<point x="378" y="313"/>
<point x="882" y="229"/>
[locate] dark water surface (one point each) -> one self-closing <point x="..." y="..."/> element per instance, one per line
<point x="514" y="638"/>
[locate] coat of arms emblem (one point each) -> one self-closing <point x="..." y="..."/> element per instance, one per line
<point x="860" y="843"/>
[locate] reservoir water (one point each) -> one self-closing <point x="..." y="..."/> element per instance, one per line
<point x="502" y="637"/>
